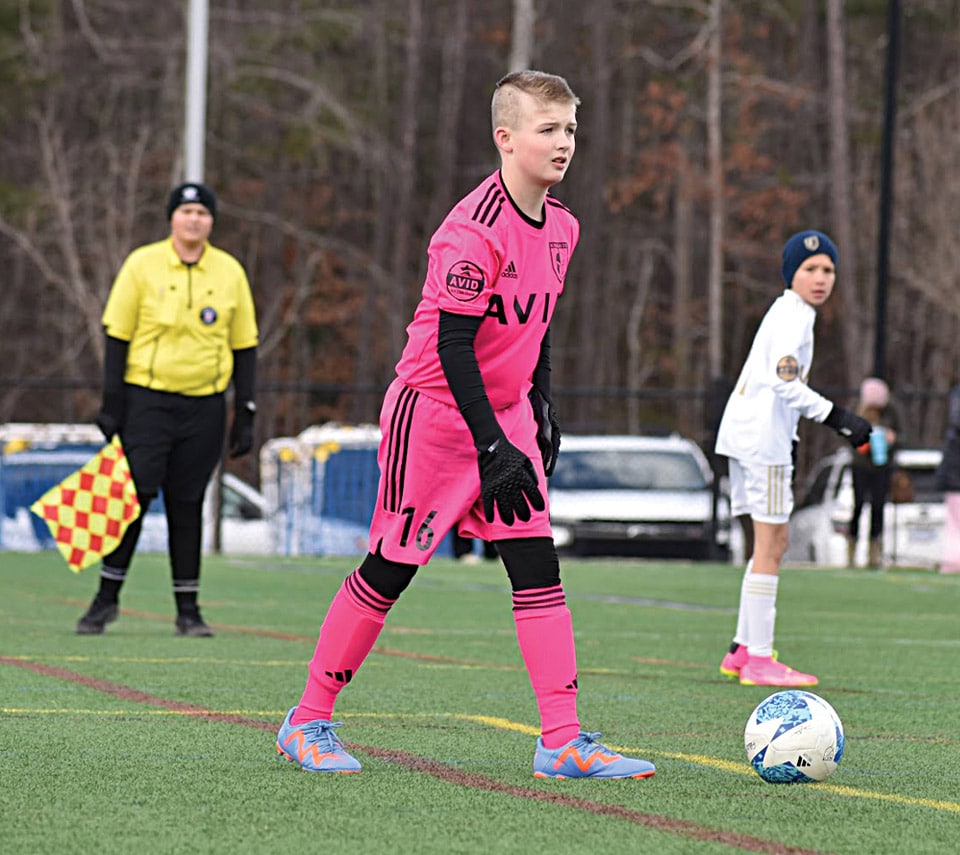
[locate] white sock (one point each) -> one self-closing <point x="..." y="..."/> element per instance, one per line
<point x="741" y="635"/>
<point x="759" y="601"/>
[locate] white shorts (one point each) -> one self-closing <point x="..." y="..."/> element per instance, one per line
<point x="760" y="490"/>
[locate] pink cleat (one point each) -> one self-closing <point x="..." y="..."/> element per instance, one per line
<point x="766" y="671"/>
<point x="735" y="659"/>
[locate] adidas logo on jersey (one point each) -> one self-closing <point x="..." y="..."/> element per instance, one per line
<point x="510" y="272"/>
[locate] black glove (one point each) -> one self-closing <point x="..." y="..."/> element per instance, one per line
<point x="509" y="481"/>
<point x="241" y="431"/>
<point x="548" y="429"/>
<point x="849" y="425"/>
<point x="110" y="417"/>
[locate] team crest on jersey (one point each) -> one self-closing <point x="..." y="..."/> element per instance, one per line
<point x="465" y="281"/>
<point x="559" y="256"/>
<point x="787" y="368"/>
<point x="208" y="315"/>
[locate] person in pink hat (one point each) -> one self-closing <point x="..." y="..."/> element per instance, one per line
<point x="873" y="465"/>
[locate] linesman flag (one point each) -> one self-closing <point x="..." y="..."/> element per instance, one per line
<point x="88" y="512"/>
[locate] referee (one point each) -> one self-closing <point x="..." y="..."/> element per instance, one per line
<point x="179" y="323"/>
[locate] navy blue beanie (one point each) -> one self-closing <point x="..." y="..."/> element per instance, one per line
<point x="192" y="193"/>
<point x="800" y="247"/>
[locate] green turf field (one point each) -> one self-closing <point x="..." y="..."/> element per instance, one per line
<point x="140" y="742"/>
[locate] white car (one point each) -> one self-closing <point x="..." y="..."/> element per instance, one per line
<point x="637" y="495"/>
<point x="913" y="531"/>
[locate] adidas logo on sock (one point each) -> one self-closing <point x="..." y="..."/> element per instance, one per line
<point x="340" y="676"/>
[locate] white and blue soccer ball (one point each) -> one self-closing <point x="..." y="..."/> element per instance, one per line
<point x="794" y="737"/>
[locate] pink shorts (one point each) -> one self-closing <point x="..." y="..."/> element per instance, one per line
<point x="429" y="480"/>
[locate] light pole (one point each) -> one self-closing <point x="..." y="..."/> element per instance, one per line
<point x="195" y="102"/>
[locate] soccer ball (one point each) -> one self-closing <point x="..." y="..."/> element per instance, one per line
<point x="794" y="737"/>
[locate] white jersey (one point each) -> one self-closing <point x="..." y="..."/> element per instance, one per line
<point x="759" y="422"/>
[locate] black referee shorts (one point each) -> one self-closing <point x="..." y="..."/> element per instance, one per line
<point x="172" y="441"/>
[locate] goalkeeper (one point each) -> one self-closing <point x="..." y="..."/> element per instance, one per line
<point x="758" y="432"/>
<point x="469" y="437"/>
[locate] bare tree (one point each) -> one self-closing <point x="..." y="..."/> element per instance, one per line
<point x="841" y="201"/>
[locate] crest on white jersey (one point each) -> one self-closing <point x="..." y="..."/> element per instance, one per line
<point x="787" y="368"/>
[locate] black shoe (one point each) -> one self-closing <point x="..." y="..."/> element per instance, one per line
<point x="192" y="626"/>
<point x="97" y="617"/>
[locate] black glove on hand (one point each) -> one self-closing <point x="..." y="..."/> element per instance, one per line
<point x="241" y="432"/>
<point x="509" y="481"/>
<point x="110" y="417"/>
<point x="548" y="429"/>
<point x="849" y="425"/>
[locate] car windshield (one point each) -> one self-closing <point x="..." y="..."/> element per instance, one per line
<point x="627" y="470"/>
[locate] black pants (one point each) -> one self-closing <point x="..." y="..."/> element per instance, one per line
<point x="173" y="443"/>
<point x="869" y="485"/>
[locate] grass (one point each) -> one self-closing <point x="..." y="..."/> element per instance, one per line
<point x="137" y="741"/>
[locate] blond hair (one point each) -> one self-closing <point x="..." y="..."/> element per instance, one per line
<point x="506" y="109"/>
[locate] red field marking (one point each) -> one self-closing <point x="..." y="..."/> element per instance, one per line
<point x="469" y="780"/>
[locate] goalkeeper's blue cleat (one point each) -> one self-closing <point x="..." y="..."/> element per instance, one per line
<point x="585" y="757"/>
<point x="314" y="746"/>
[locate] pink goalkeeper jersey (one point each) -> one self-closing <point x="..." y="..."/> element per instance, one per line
<point x="488" y="259"/>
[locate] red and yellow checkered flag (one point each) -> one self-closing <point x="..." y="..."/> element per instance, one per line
<point x="88" y="512"/>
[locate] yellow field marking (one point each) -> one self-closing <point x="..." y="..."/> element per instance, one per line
<point x="936" y="804"/>
<point x="729" y="766"/>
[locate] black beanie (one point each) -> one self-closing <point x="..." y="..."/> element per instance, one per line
<point x="192" y="193"/>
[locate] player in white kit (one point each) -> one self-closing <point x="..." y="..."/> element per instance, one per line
<point x="758" y="433"/>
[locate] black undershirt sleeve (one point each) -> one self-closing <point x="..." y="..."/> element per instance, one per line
<point x="244" y="374"/>
<point x="541" y="374"/>
<point x="114" y="363"/>
<point x="459" y="362"/>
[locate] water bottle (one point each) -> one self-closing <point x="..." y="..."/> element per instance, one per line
<point x="878" y="446"/>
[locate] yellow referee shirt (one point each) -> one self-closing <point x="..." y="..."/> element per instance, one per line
<point x="183" y="322"/>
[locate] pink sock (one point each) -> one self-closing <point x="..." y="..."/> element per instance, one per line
<point x="348" y="633"/>
<point x="545" y="634"/>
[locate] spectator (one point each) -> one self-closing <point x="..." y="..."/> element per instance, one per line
<point x="872" y="467"/>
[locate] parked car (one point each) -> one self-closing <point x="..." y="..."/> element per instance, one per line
<point x="913" y="531"/>
<point x="637" y="495"/>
